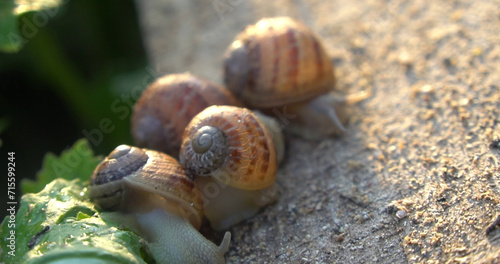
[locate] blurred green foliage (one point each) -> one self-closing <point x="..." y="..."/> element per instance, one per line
<point x="8" y="26"/>
<point x="79" y="71"/>
<point x="11" y="38"/>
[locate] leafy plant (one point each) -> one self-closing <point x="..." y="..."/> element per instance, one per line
<point x="70" y="69"/>
<point x="76" y="163"/>
<point x="11" y="39"/>
<point x="56" y="222"/>
<point x="60" y="224"/>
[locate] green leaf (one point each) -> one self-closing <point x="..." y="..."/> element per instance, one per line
<point x="76" y="163"/>
<point x="11" y="39"/>
<point x="8" y="27"/>
<point x="61" y="225"/>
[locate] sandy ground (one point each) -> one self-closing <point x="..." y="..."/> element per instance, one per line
<point x="417" y="177"/>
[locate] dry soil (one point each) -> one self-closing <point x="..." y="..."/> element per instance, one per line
<point x="416" y="178"/>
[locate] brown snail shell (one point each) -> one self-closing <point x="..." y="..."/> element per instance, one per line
<point x="277" y="61"/>
<point x="276" y="132"/>
<point x="279" y="65"/>
<point x="160" y="202"/>
<point x="231" y="144"/>
<point x="168" y="104"/>
<point x="129" y="174"/>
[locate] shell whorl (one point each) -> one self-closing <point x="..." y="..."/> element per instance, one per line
<point x="121" y="162"/>
<point x="210" y="149"/>
<point x="247" y="155"/>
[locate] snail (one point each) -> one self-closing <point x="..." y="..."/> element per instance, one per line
<point x="274" y="128"/>
<point x="280" y="66"/>
<point x="166" y="107"/>
<point x="233" y="146"/>
<point x="155" y="190"/>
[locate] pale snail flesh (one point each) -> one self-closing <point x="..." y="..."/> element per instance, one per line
<point x="234" y="147"/>
<point x="155" y="190"/>
<point x="168" y="104"/>
<point x="280" y="66"/>
<point x="225" y="206"/>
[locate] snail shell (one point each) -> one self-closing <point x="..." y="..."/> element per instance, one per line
<point x="168" y="104"/>
<point x="129" y="174"/>
<point x="277" y="61"/>
<point x="279" y="66"/>
<point x="274" y="128"/>
<point x="231" y="144"/>
<point x="163" y="202"/>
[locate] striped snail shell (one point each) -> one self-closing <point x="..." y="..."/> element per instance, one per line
<point x="279" y="65"/>
<point x="154" y="190"/>
<point x="231" y="144"/>
<point x="130" y="170"/>
<point x="168" y="104"/>
<point x="277" y="61"/>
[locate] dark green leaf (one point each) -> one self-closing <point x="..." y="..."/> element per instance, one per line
<point x="76" y="163"/>
<point x="9" y="36"/>
<point x="11" y="39"/>
<point x="61" y="225"/>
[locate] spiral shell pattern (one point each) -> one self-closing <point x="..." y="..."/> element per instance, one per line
<point x="277" y="61"/>
<point x="232" y="145"/>
<point x="133" y="170"/>
<point x="168" y="104"/>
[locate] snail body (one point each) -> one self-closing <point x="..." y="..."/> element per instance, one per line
<point x="225" y="206"/>
<point x="153" y="188"/>
<point x="278" y="64"/>
<point x="233" y="156"/>
<point x="166" y="107"/>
